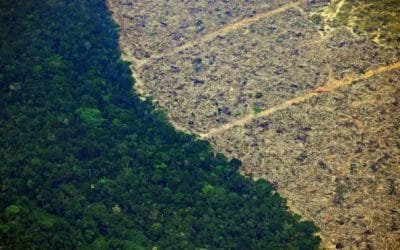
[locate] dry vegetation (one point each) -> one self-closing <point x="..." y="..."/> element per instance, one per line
<point x="156" y="26"/>
<point x="377" y="20"/>
<point x="304" y="93"/>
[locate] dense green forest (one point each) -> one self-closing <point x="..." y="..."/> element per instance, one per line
<point x="84" y="164"/>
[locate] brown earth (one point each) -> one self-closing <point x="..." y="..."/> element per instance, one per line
<point x="303" y="96"/>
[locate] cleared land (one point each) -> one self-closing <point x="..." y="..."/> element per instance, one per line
<point x="305" y="93"/>
<point x="332" y="159"/>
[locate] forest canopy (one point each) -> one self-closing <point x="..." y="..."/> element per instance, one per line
<point x="85" y="164"/>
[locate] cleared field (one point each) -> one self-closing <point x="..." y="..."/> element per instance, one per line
<point x="332" y="159"/>
<point x="252" y="69"/>
<point x="233" y="75"/>
<point x="156" y="26"/>
<point x="306" y="98"/>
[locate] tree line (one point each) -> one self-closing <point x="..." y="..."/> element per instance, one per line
<point x="85" y="164"/>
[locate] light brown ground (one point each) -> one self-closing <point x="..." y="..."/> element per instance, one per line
<point x="311" y="108"/>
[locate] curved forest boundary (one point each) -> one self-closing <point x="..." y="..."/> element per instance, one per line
<point x="86" y="165"/>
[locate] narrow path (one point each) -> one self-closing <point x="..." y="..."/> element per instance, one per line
<point x="225" y="30"/>
<point x="328" y="87"/>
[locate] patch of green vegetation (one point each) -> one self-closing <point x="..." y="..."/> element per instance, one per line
<point x="91" y="116"/>
<point x="12" y="210"/>
<point x="280" y="39"/>
<point x="316" y="18"/>
<point x="198" y="22"/>
<point x="257" y="109"/>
